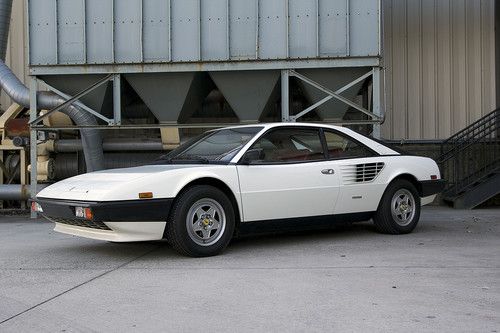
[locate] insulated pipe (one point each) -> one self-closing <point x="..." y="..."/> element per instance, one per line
<point x="91" y="138"/>
<point x="17" y="192"/>
<point x="72" y="146"/>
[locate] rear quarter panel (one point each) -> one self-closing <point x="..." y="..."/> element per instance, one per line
<point x="365" y="197"/>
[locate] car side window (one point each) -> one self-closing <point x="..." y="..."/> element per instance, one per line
<point x="340" y="146"/>
<point x="290" y="145"/>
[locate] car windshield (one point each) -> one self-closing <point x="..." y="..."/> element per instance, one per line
<point x="214" y="146"/>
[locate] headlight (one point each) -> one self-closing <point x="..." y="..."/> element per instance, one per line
<point x="84" y="213"/>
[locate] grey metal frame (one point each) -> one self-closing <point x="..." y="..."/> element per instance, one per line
<point x="376" y="115"/>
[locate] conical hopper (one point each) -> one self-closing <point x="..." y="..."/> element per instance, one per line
<point x="333" y="79"/>
<point x="246" y="92"/>
<point x="170" y="96"/>
<point x="74" y="84"/>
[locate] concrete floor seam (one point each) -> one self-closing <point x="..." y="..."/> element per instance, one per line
<point x="79" y="285"/>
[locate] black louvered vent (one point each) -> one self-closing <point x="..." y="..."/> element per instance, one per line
<point x="367" y="172"/>
<point x="80" y="223"/>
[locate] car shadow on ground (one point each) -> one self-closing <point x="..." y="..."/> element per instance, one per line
<point x="271" y="240"/>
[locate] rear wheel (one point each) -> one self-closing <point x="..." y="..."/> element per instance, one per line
<point x="202" y="222"/>
<point x="399" y="209"/>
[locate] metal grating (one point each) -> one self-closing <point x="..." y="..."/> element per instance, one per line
<point x="361" y="173"/>
<point x="80" y="223"/>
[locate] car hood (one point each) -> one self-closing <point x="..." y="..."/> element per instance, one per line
<point x="95" y="186"/>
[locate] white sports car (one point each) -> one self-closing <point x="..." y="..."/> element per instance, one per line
<point x="247" y="178"/>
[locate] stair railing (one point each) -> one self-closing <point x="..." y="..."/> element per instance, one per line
<point x="470" y="155"/>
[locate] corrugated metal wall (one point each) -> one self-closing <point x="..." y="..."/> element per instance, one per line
<point x="440" y="60"/>
<point x="17" y="47"/>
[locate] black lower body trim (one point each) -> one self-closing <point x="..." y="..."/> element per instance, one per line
<point x="301" y="223"/>
<point x="151" y="210"/>
<point x="430" y="187"/>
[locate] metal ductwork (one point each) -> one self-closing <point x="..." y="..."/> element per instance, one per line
<point x="91" y="138"/>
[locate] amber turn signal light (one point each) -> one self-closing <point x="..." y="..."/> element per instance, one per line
<point x="146" y="195"/>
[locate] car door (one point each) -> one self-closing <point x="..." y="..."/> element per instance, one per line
<point x="358" y="169"/>
<point x="290" y="179"/>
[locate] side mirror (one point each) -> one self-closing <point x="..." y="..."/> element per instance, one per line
<point x="252" y="155"/>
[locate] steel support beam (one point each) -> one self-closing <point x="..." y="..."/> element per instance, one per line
<point x="33" y="140"/>
<point x="117" y="99"/>
<point x="285" y="95"/>
<point x="215" y="66"/>
<point x="377" y="101"/>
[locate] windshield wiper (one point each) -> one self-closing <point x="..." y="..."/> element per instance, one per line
<point x="189" y="159"/>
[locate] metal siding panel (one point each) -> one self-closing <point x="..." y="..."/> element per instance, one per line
<point x="71" y="31"/>
<point x="43" y="41"/>
<point x="243" y="29"/>
<point x="303" y="28"/>
<point x="214" y="32"/>
<point x="429" y="70"/>
<point x="444" y="68"/>
<point x="273" y="30"/>
<point x="473" y="22"/>
<point x="459" y="69"/>
<point x="156" y="34"/>
<point x="333" y="30"/>
<point x="185" y="30"/>
<point x="387" y="126"/>
<point x="364" y="27"/>
<point x="399" y="67"/>
<point x="414" y="69"/>
<point x="488" y="57"/>
<point x="128" y="31"/>
<point x="99" y="31"/>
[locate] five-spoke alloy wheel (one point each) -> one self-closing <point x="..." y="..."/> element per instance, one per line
<point x="399" y="209"/>
<point x="201" y="222"/>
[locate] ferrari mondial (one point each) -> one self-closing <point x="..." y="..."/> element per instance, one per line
<point x="247" y="178"/>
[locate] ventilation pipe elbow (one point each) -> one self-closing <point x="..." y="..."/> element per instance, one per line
<point x="91" y="138"/>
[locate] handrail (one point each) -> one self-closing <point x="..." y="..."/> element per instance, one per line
<point x="472" y="154"/>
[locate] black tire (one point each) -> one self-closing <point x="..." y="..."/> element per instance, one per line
<point x="187" y="242"/>
<point x="384" y="220"/>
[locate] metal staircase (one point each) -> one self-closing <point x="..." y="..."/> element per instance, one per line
<point x="470" y="162"/>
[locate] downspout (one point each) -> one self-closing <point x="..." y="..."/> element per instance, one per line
<point x="91" y="138"/>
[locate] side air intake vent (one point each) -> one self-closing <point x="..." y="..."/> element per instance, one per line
<point x="361" y="173"/>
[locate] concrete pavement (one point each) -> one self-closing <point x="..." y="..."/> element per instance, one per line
<point x="443" y="277"/>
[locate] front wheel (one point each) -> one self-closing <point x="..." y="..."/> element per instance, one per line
<point x="399" y="209"/>
<point x="202" y="222"/>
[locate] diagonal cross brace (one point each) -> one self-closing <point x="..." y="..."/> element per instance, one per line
<point x="334" y="94"/>
<point x="72" y="100"/>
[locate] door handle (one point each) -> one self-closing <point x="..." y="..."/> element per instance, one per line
<point x="328" y="172"/>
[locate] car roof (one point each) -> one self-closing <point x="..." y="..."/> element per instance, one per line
<point x="377" y="146"/>
<point x="287" y="124"/>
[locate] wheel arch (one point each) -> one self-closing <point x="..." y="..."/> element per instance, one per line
<point x="221" y="185"/>
<point x="408" y="177"/>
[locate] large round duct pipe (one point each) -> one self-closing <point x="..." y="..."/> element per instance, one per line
<point x="73" y="146"/>
<point x="91" y="138"/>
<point x="17" y="192"/>
<point x="67" y="165"/>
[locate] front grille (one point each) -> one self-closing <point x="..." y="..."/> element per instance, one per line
<point x="80" y="223"/>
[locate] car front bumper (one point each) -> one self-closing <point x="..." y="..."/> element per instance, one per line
<point x="118" y="221"/>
